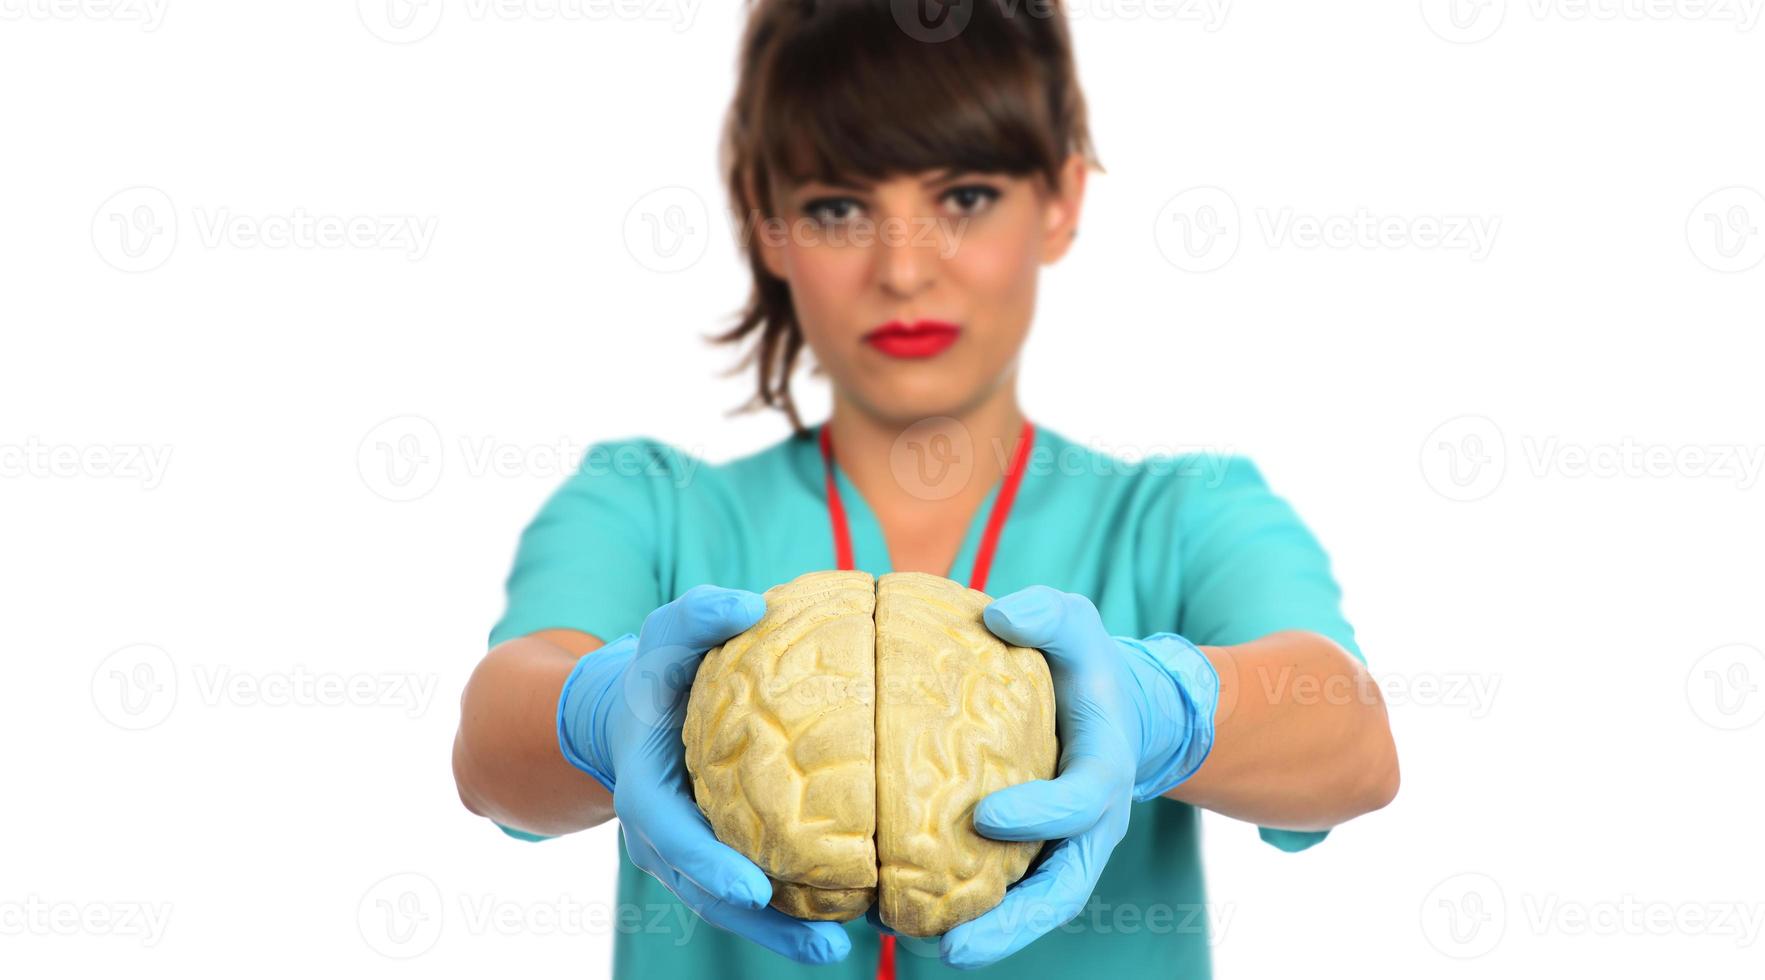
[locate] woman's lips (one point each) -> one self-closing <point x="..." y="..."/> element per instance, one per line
<point x="921" y="338"/>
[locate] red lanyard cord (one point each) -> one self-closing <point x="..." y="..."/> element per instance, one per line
<point x="989" y="544"/>
<point x="836" y="510"/>
<point x="983" y="556"/>
<point x="983" y="564"/>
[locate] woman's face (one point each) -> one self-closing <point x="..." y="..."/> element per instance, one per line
<point x="915" y="293"/>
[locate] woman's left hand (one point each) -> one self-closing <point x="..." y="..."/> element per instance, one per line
<point x="1135" y="718"/>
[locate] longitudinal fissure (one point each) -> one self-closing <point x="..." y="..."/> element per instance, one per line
<point x="875" y="738"/>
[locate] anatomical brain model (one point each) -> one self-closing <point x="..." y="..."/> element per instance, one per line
<point x="842" y="743"/>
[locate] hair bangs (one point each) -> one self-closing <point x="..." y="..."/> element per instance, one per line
<point x="856" y="97"/>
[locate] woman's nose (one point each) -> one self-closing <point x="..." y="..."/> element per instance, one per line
<point x="909" y="261"/>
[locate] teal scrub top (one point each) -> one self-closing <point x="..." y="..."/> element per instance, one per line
<point x="1191" y="544"/>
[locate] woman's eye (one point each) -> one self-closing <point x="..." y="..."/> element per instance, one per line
<point x="971" y="198"/>
<point x="831" y="210"/>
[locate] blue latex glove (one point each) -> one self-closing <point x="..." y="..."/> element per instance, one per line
<point x="619" y="720"/>
<point x="1135" y="718"/>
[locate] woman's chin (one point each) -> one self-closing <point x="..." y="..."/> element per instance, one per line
<point x="903" y="393"/>
<point x="904" y="412"/>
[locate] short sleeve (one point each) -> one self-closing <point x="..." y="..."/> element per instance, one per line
<point x="522" y="834"/>
<point x="589" y="559"/>
<point x="1249" y="568"/>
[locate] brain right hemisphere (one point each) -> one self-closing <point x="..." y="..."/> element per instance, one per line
<point x="842" y="743"/>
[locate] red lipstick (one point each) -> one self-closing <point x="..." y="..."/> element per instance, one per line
<point x="921" y="338"/>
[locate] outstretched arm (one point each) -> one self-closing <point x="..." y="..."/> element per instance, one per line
<point x="1301" y="738"/>
<point x="1141" y="718"/>
<point x="505" y="759"/>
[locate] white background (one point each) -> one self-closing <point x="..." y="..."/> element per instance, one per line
<point x="1562" y="591"/>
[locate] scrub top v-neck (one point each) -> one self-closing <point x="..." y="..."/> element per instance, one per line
<point x="985" y="526"/>
<point x="1196" y="545"/>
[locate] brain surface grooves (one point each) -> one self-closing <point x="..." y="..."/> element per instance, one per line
<point x="806" y="669"/>
<point x="843" y="741"/>
<point x="959" y="715"/>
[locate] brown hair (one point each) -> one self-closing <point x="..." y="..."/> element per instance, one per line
<point x="832" y="89"/>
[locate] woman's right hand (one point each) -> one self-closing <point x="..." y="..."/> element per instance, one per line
<point x="619" y="720"/>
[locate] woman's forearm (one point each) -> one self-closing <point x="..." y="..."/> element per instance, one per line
<point x="1301" y="738"/>
<point x="506" y="760"/>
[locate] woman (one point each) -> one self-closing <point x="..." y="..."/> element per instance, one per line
<point x="901" y="197"/>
